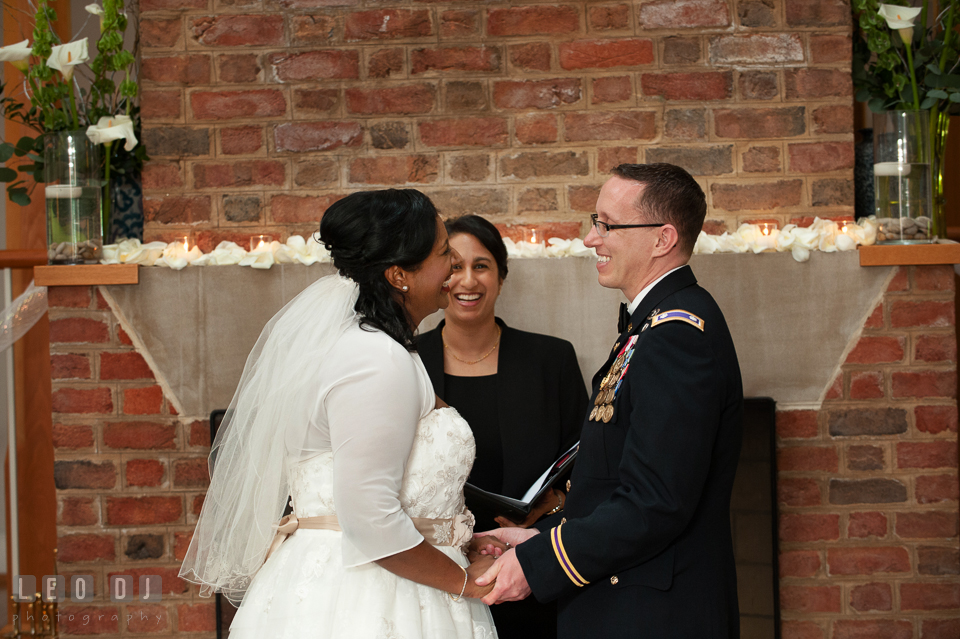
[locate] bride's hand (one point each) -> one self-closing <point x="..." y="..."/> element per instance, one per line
<point x="509" y="536"/>
<point x="486" y="545"/>
<point x="477" y="568"/>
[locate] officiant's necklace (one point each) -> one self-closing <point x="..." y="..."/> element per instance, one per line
<point x="446" y="347"/>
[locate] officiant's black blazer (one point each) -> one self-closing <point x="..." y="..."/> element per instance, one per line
<point x="645" y="550"/>
<point x="541" y="399"/>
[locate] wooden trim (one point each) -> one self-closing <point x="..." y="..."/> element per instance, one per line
<point x="86" y="274"/>
<point x="22" y="259"/>
<point x="909" y="254"/>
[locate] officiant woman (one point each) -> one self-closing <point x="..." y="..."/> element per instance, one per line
<point x="522" y="394"/>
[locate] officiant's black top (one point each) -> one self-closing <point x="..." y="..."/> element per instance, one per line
<point x="475" y="398"/>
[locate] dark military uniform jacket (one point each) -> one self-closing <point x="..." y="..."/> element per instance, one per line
<point x="644" y="547"/>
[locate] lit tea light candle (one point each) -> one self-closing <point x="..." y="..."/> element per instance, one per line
<point x="260" y="242"/>
<point x="768" y="235"/>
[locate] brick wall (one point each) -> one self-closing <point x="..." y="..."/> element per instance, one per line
<point x="258" y="115"/>
<point x="868" y="485"/>
<point x="130" y="474"/>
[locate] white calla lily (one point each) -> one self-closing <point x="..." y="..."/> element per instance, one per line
<point x="16" y="54"/>
<point x="117" y="127"/>
<point x="64" y="57"/>
<point x="900" y="19"/>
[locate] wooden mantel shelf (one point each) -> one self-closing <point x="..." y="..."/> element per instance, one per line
<point x="86" y="274"/>
<point x="909" y="254"/>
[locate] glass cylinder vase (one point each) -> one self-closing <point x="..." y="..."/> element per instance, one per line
<point x="902" y="177"/>
<point x="72" y="172"/>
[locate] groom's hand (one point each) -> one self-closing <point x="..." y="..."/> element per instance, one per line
<point x="510" y="584"/>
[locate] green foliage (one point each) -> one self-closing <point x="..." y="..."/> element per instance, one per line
<point x="923" y="73"/>
<point x="53" y="106"/>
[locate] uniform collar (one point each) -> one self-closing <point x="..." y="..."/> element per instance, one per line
<point x="639" y="298"/>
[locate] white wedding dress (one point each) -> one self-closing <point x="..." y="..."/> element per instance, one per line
<point x="374" y="403"/>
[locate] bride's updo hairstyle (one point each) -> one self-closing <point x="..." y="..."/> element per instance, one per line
<point x="370" y="231"/>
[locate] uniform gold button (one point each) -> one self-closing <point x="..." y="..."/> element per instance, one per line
<point x="568" y="485"/>
<point x="563" y="520"/>
<point x="614" y="580"/>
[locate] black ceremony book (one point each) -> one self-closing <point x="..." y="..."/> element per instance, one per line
<point x="516" y="510"/>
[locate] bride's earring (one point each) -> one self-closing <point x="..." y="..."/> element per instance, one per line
<point x="406" y="288"/>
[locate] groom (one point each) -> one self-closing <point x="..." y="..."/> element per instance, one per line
<point x="644" y="548"/>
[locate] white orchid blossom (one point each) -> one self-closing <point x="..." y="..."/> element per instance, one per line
<point x="64" y="57"/>
<point x="900" y="19"/>
<point x="117" y="127"/>
<point x="16" y="54"/>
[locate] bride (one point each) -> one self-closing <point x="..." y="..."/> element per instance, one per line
<point x="335" y="409"/>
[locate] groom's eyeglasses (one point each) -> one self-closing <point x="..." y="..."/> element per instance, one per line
<point x="603" y="229"/>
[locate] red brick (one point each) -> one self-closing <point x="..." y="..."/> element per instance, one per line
<point x="239" y="68"/>
<point x="535" y="129"/>
<point x="169" y="579"/>
<point x="609" y="17"/>
<point x="876" y="318"/>
<point x="534" y="56"/>
<point x="161" y="105"/>
<point x="191" y="473"/>
<point x="181" y="544"/>
<point x="140" y="436"/>
<point x="200" y="617"/>
<point x="458" y="23"/>
<point x="921" y="314"/>
<point x="181" y="69"/>
<point x="762" y="196"/>
<point x="123" y="338"/>
<point x="313" y="29"/>
<point x="867" y="561"/>
<point x="932" y="489"/>
<point x="940" y="629"/>
<point x="936" y="419"/>
<point x="817" y="13"/>
<point x="177" y="209"/>
<point x="144" y="472"/>
<point x="395" y="169"/>
<point x="613" y="156"/>
<point x="302" y="137"/>
<point x="171" y="5"/>
<point x="835" y="118"/>
<point x="292" y="209"/>
<point x="936" y="348"/>
<point x="239" y="31"/>
<point x="925" y="384"/>
<point x="68" y="297"/>
<point x="900" y="281"/>
<point x="72" y="436"/>
<point x="78" y="330"/>
<point x="160" y="32"/>
<point x="810" y="599"/>
<point x="801" y="424"/>
<point x="464" y="132"/>
<point x="806" y="84"/>
<point x="931" y="524"/>
<point x="869" y="524"/>
<point x="807" y="458"/>
<point x="455" y="59"/>
<point x="82" y="400"/>
<point x="760" y="123"/>
<point x="226" y="105"/>
<point x="69" y="366"/>
<point x="84" y="474"/>
<point x="91" y="620"/>
<point x="933" y="278"/>
<point x="773" y="49"/>
<point x="877" y="350"/>
<point x="583" y="198"/>
<point x="142" y="401"/>
<point x="830" y="48"/>
<point x="800" y="630"/>
<point x="872" y="597"/>
<point x="797" y="527"/>
<point x="709" y="85"/>
<point x="147" y="619"/>
<point x="412" y="98"/>
<point x="930" y="596"/>
<point x="85" y="548"/>
<point x="200" y="433"/>
<point x="605" y="54"/>
<point x="688" y="14"/>
<point x="143" y="511"/>
<point x="536" y="94"/>
<point x="162" y="175"/>
<point x="197" y="505"/>
<point x="820" y="157"/>
<point x="872" y="629"/>
<point x="77" y="511"/>
<point x="329" y="64"/>
<point x="129" y="365"/>
<point x="238" y="174"/>
<point x="798" y="492"/>
<point x="866" y="385"/>
<point x="799" y="563"/>
<point x="241" y="140"/>
<point x="539" y="20"/>
<point x="617" y="125"/>
<point x="940" y="454"/>
<point x="387" y="24"/>
<point x="385" y="63"/>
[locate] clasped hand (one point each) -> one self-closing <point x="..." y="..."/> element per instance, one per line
<point x="504" y="579"/>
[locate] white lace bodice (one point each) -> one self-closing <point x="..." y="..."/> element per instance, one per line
<point x="435" y="472"/>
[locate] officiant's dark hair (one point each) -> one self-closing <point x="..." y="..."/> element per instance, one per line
<point x="370" y="231"/>
<point x="671" y="196"/>
<point x="486" y="233"/>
